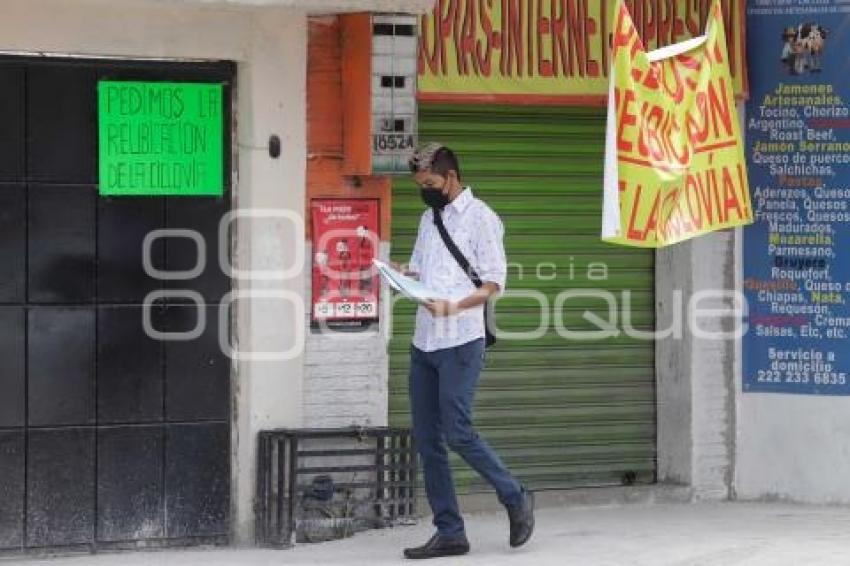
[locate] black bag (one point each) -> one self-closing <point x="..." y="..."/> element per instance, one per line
<point x="489" y="338"/>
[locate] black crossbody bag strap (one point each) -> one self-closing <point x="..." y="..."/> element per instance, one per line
<point x="489" y="338"/>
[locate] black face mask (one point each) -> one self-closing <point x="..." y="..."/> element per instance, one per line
<point x="434" y="198"/>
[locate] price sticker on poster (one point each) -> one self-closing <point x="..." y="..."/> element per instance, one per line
<point x="345" y="241"/>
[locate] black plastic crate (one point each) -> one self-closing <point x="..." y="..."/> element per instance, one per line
<point x="321" y="484"/>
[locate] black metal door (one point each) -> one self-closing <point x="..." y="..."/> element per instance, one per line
<point x="107" y="436"/>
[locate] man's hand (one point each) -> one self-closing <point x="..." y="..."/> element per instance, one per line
<point x="404" y="269"/>
<point x="440" y="307"/>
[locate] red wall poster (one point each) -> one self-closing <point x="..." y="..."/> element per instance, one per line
<point x="345" y="239"/>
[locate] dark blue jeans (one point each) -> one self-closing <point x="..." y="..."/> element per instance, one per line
<point x="442" y="388"/>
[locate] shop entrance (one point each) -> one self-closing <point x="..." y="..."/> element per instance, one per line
<point x="108" y="436"/>
<point x="561" y="412"/>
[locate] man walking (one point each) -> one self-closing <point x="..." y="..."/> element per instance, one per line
<point x="447" y="353"/>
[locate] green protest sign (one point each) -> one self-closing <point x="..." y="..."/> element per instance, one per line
<point x="160" y="138"/>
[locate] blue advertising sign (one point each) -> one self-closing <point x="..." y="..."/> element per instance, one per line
<point x="797" y="253"/>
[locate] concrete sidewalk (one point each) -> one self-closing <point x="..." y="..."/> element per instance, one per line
<point x="730" y="534"/>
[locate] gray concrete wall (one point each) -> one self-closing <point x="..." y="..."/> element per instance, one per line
<point x="696" y="374"/>
<point x="792" y="447"/>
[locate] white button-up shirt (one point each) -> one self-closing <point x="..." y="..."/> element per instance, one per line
<point x="478" y="232"/>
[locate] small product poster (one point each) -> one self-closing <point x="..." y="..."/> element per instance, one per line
<point x="345" y="283"/>
<point x="797" y="254"/>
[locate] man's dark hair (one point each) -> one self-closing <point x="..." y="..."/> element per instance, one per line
<point x="444" y="161"/>
<point x="435" y="158"/>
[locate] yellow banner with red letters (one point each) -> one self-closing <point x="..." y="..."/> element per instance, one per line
<point x="674" y="161"/>
<point x="551" y="51"/>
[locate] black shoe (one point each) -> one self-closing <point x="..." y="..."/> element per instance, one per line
<point x="522" y="519"/>
<point x="438" y="546"/>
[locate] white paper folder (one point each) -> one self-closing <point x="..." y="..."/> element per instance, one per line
<point x="410" y="288"/>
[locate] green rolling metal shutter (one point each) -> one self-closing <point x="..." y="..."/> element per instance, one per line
<point x="561" y="413"/>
